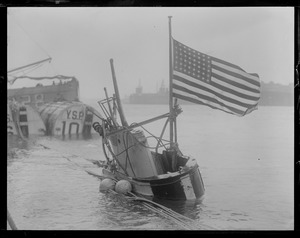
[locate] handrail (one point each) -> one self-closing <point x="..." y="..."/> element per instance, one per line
<point x="161" y="135"/>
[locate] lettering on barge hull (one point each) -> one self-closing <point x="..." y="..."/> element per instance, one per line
<point x="68" y="118"/>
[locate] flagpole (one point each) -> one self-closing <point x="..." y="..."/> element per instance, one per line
<point x="170" y="84"/>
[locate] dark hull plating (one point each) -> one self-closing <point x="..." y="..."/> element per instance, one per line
<point x="177" y="186"/>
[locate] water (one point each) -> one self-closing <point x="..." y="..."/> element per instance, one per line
<point x="247" y="164"/>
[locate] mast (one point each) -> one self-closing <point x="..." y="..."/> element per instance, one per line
<point x="122" y="117"/>
<point x="170" y="84"/>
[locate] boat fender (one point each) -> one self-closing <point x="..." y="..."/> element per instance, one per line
<point x="98" y="128"/>
<point x="123" y="187"/>
<point x="107" y="184"/>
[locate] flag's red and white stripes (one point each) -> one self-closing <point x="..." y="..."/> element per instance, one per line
<point x="206" y="80"/>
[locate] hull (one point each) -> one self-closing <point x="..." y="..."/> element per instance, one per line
<point x="166" y="175"/>
<point x="173" y="186"/>
<point x="24" y="120"/>
<point x="39" y="95"/>
<point x="160" y="172"/>
<point x="68" y="118"/>
<point x="51" y="110"/>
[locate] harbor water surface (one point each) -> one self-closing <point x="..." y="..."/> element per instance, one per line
<point x="247" y="164"/>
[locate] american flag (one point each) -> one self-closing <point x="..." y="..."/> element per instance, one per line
<point x="206" y="80"/>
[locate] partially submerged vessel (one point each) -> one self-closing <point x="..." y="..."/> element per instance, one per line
<point x="139" y="97"/>
<point x="160" y="172"/>
<point x="52" y="110"/>
<point x="68" y="118"/>
<point x="166" y="174"/>
<point x="23" y="120"/>
<point x="67" y="89"/>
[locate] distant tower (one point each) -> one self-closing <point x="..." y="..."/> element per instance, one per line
<point x="163" y="88"/>
<point x="139" y="89"/>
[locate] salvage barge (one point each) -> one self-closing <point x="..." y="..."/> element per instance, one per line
<point x="52" y="110"/>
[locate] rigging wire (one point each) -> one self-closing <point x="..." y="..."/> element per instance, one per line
<point x="182" y="221"/>
<point x="16" y="21"/>
<point x="22" y="72"/>
<point x="127" y="155"/>
<point x="152" y="135"/>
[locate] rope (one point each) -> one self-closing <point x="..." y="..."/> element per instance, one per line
<point x="159" y="140"/>
<point x="127" y="155"/>
<point x="161" y="212"/>
<point x="60" y="77"/>
<point x="78" y="165"/>
<point x="179" y="223"/>
<point x="167" y="212"/>
<point x="18" y="23"/>
<point x="23" y="72"/>
<point x="177" y="218"/>
<point x="180" y="220"/>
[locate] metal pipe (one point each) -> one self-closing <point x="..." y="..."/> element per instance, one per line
<point x="109" y="107"/>
<point x="139" y="124"/>
<point x="161" y="135"/>
<point x="122" y="117"/>
<point x="114" y="106"/>
<point x="170" y="83"/>
<point x="175" y="125"/>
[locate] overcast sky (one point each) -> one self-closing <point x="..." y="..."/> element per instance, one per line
<point x="81" y="41"/>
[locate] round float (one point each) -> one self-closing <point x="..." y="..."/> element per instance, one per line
<point x="123" y="187"/>
<point x="107" y="184"/>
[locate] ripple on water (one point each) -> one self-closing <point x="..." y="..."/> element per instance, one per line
<point x="47" y="190"/>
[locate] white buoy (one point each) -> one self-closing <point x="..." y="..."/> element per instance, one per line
<point x="107" y="184"/>
<point x="123" y="186"/>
